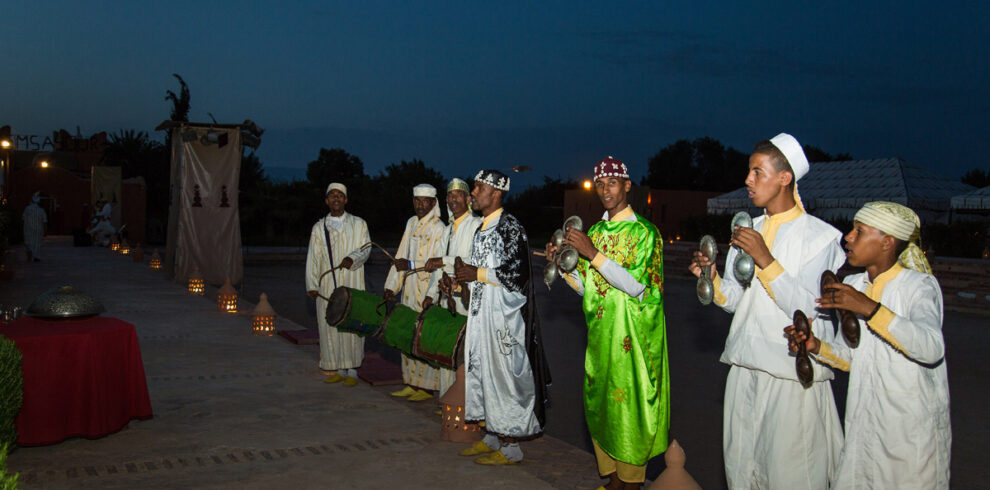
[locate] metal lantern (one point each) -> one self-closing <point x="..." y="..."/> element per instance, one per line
<point x="263" y="318"/>
<point x="227" y="298"/>
<point x="114" y="245"/>
<point x="156" y="261"/>
<point x="125" y="248"/>
<point x="197" y="285"/>
<point x="453" y="426"/>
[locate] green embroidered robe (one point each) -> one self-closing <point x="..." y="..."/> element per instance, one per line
<point x="626" y="385"/>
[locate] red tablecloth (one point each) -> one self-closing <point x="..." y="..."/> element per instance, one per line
<point x="81" y="378"/>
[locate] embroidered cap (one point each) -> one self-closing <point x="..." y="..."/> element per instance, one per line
<point x="458" y="185"/>
<point x="611" y="167"/>
<point x="493" y="178"/>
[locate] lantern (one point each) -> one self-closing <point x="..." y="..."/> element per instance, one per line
<point x="125" y="248"/>
<point x="156" y="261"/>
<point x="454" y="428"/>
<point x="114" y="245"/>
<point x="137" y="253"/>
<point x="227" y="298"/>
<point x="197" y="285"/>
<point x="263" y="318"/>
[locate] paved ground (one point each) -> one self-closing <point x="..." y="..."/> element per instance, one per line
<point x="232" y="409"/>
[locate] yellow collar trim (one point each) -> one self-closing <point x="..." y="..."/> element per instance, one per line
<point x="772" y="224"/>
<point x="875" y="290"/>
<point x="457" y="221"/>
<point x="621" y="215"/>
<point x="491" y="217"/>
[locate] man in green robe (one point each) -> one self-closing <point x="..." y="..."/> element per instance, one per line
<point x="626" y="384"/>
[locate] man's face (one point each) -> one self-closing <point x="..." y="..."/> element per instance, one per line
<point x="422" y="205"/>
<point x="336" y="201"/>
<point x="483" y="195"/>
<point x="457" y="201"/>
<point x="763" y="181"/>
<point x="864" y="245"/>
<point x="613" y="192"/>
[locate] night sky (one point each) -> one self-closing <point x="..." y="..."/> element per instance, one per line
<point x="492" y="84"/>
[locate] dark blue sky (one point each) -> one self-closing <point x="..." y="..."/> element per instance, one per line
<point x="556" y="85"/>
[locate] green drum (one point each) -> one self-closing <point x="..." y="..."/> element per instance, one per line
<point x="355" y="311"/>
<point x="439" y="338"/>
<point x="399" y="328"/>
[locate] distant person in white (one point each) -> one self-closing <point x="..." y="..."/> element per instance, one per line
<point x="35" y="222"/>
<point x="102" y="231"/>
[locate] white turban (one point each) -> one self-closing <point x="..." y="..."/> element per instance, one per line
<point x="789" y="146"/>
<point x="425" y="190"/>
<point x="901" y="223"/>
<point x="338" y="186"/>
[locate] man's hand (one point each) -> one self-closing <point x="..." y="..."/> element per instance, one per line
<point x="446" y="284"/>
<point x="313" y="294"/>
<point x="466" y="273"/>
<point x="794" y="338"/>
<point x="346" y="263"/>
<point x="752" y="243"/>
<point x="400" y="264"/>
<point x="427" y="301"/>
<point x="698" y="260"/>
<point x="433" y="264"/>
<point x="550" y="250"/>
<point x="845" y="297"/>
<point x="389" y="295"/>
<point x="581" y="242"/>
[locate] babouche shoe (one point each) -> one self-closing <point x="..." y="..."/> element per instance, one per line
<point x="349" y="381"/>
<point x="419" y="396"/>
<point x="334" y="378"/>
<point x="494" y="459"/>
<point x="408" y="390"/>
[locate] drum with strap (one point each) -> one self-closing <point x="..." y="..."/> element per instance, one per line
<point x="399" y="327"/>
<point x="439" y="337"/>
<point x="355" y="311"/>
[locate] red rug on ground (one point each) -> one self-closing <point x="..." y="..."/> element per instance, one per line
<point x="376" y="371"/>
<point x="81" y="378"/>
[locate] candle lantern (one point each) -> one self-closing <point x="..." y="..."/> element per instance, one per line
<point x="454" y="427"/>
<point x="114" y="245"/>
<point x="227" y="298"/>
<point x="125" y="248"/>
<point x="137" y="253"/>
<point x="263" y="318"/>
<point x="156" y="261"/>
<point x="197" y="285"/>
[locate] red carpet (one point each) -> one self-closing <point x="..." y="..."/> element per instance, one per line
<point x="379" y="372"/>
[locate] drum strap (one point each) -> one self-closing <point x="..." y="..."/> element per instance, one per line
<point x="326" y="235"/>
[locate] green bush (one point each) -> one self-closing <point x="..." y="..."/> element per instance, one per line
<point x="7" y="481"/>
<point x="11" y="390"/>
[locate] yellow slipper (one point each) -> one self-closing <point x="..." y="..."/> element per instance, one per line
<point x="494" y="459"/>
<point x="334" y="378"/>
<point x="479" y="447"/>
<point x="349" y="381"/>
<point x="419" y="396"/>
<point x="408" y="390"/>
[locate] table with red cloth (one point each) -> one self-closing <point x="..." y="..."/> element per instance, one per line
<point x="82" y="377"/>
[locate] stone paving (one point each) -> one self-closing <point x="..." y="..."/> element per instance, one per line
<point x="235" y="410"/>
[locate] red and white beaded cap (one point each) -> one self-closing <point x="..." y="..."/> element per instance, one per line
<point x="611" y="167"/>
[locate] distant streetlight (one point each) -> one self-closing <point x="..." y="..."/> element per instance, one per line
<point x="587" y="185"/>
<point x="5" y="144"/>
<point x="44" y="164"/>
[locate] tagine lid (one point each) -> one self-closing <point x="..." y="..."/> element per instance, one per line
<point x="64" y="302"/>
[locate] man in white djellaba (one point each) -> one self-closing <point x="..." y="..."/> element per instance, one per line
<point x="336" y="258"/>
<point x="421" y="240"/>
<point x="35" y="222"/>
<point x="458" y="236"/>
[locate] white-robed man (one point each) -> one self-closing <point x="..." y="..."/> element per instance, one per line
<point x="898" y="433"/>
<point x="101" y="230"/>
<point x="336" y="258"/>
<point x="776" y="434"/>
<point x="35" y="222"/>
<point x="458" y="237"/>
<point x="421" y="240"/>
<point x="507" y="376"/>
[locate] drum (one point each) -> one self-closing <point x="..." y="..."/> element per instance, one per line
<point x="353" y="310"/>
<point x="399" y="327"/>
<point x="439" y="338"/>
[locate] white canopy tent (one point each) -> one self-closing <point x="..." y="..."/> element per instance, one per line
<point x="836" y="190"/>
